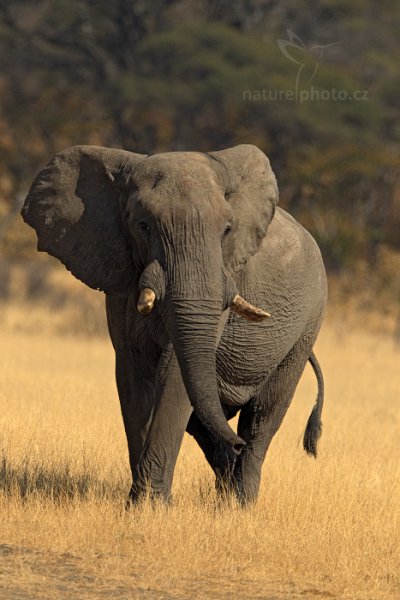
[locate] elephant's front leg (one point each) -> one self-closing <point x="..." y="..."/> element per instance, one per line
<point x="171" y="413"/>
<point x="135" y="391"/>
<point x="136" y="395"/>
<point x="215" y="453"/>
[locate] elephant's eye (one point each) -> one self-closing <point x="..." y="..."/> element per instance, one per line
<point x="143" y="227"/>
<point x="227" y="229"/>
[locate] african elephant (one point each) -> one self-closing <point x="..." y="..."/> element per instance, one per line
<point x="176" y="240"/>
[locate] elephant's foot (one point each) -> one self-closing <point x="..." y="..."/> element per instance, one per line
<point x="138" y="495"/>
<point x="228" y="489"/>
<point x="224" y="469"/>
<point x="230" y="484"/>
<point x="224" y="484"/>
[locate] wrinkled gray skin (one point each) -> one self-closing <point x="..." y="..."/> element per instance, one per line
<point x="196" y="229"/>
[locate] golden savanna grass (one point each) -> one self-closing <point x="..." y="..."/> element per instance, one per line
<point x="328" y="528"/>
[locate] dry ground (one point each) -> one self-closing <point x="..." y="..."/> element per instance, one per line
<point x="321" y="529"/>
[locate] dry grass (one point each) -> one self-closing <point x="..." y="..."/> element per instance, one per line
<point x="328" y="528"/>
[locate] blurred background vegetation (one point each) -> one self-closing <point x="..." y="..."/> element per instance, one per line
<point x="190" y="74"/>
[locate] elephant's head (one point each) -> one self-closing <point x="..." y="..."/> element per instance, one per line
<point x="173" y="228"/>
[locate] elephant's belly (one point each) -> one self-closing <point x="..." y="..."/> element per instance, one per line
<point x="240" y="373"/>
<point x="233" y="395"/>
<point x="248" y="354"/>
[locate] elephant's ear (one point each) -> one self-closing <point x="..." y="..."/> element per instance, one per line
<point x="251" y="190"/>
<point x="73" y="205"/>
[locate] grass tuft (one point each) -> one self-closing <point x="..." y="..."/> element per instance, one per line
<point x="328" y="528"/>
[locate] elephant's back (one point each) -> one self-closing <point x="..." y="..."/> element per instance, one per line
<point x="292" y="251"/>
<point x="287" y="273"/>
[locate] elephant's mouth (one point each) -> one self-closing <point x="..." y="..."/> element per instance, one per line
<point x="243" y="308"/>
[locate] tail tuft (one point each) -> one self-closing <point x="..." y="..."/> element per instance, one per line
<point x="314" y="426"/>
<point x="312" y="433"/>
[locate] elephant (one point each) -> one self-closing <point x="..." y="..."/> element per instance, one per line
<point x="214" y="299"/>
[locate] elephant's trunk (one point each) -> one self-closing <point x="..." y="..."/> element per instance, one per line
<point x="191" y="305"/>
<point x="193" y="328"/>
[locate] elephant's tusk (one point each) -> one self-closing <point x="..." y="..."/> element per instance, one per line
<point x="146" y="301"/>
<point x="247" y="310"/>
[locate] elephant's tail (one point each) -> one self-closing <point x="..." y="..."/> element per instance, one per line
<point x="314" y="425"/>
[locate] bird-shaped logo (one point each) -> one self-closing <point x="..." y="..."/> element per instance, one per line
<point x="308" y="59"/>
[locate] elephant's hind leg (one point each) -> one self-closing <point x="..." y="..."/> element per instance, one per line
<point x="261" y="418"/>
